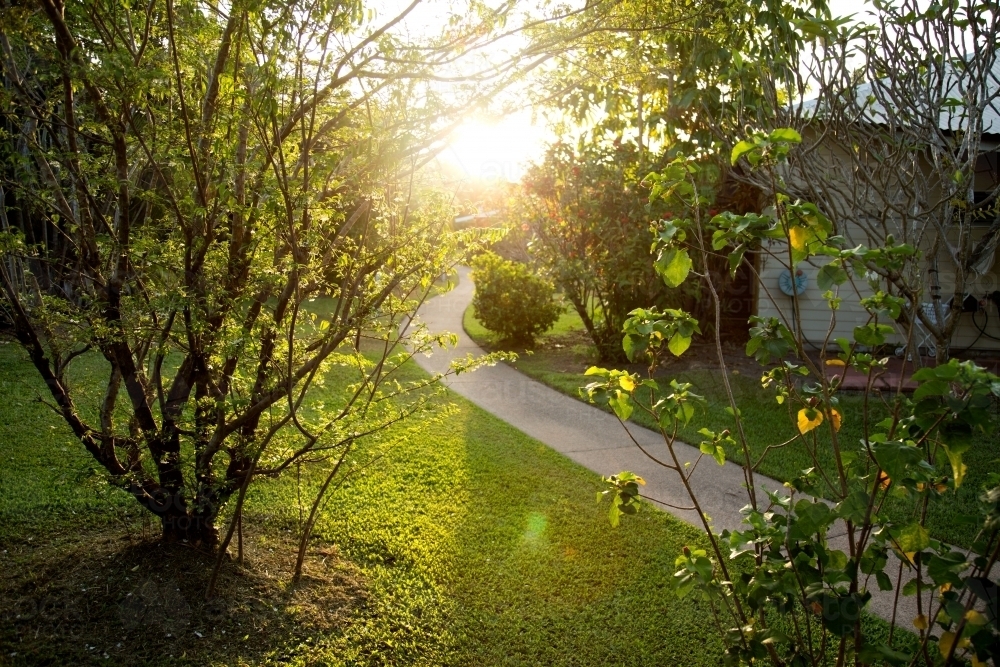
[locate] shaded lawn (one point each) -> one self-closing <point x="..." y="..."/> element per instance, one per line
<point x="478" y="545"/>
<point x="560" y="358"/>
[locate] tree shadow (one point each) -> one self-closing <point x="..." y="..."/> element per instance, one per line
<point x="101" y="598"/>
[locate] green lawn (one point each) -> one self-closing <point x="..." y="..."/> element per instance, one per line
<point x="765" y="422"/>
<point x="477" y="544"/>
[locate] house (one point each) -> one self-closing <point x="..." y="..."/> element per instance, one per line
<point x="878" y="171"/>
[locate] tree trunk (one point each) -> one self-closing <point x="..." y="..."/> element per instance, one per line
<point x="197" y="530"/>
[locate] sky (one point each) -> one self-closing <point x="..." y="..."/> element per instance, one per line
<point x="502" y="147"/>
<point x="496" y="148"/>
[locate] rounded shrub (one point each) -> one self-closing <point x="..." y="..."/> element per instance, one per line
<point x="511" y="301"/>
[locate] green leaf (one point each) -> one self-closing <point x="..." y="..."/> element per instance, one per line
<point x="621" y="403"/>
<point x="810" y="518"/>
<point x="632" y="345"/>
<point x="679" y="344"/>
<point x="673" y="265"/>
<point x="740" y="149"/>
<point x="614" y="514"/>
<point x="830" y="275"/>
<point x="879" y="653"/>
<point x="872" y="334"/>
<point x="786" y="134"/>
<point x="884" y="583"/>
<point x="931" y="388"/>
<point x="854" y="507"/>
<point x="717" y="452"/>
<point x="947" y="568"/>
<point x="901" y="461"/>
<point x="913" y="538"/>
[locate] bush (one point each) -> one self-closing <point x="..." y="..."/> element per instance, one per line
<point x="511" y="301"/>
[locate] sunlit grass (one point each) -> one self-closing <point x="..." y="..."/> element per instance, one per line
<point x="765" y="423"/>
<point x="478" y="545"/>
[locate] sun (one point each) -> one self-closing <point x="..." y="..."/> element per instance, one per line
<point x="496" y="149"/>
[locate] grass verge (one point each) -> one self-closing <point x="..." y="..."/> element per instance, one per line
<point x="561" y="356"/>
<point x="465" y="543"/>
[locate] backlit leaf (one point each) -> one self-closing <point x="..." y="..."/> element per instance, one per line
<point x="809" y="419"/>
<point x="673" y="265"/>
<point x="679" y="344"/>
<point x="798" y="237"/>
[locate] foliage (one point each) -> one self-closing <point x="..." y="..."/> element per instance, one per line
<point x="511" y="300"/>
<point x="782" y="590"/>
<point x="183" y="187"/>
<point x="894" y="105"/>
<point x="639" y="78"/>
<point x="561" y="362"/>
<point x="590" y="224"/>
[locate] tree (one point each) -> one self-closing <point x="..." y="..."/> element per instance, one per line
<point x="223" y="201"/>
<point x="780" y="590"/>
<point x="590" y="225"/>
<point x="628" y="94"/>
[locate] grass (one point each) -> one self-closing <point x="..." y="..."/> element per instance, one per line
<point x="561" y="356"/>
<point x="476" y="545"/>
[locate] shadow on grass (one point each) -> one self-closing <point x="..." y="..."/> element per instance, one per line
<point x="101" y="598"/>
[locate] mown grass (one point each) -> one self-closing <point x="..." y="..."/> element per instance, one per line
<point x="765" y="423"/>
<point x="477" y="545"/>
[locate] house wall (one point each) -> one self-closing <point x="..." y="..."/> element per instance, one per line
<point x="815" y="314"/>
<point x="857" y="204"/>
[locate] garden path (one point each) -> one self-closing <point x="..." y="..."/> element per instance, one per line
<point x="596" y="440"/>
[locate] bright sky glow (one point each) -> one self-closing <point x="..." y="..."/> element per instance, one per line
<point x="489" y="147"/>
<point x="496" y="149"/>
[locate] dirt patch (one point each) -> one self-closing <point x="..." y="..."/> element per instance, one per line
<point x="104" y="598"/>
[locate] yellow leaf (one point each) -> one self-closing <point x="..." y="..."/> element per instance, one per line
<point x="835" y="362"/>
<point x="626" y="382"/>
<point x="883" y="480"/>
<point x="975" y="618"/>
<point x="640" y="481"/>
<point x="920" y="622"/>
<point x="835" y="419"/>
<point x="798" y="237"/>
<point x="809" y="419"/>
<point x="944" y="644"/>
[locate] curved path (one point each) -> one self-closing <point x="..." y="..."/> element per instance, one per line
<point x="596" y="440"/>
<point x="584" y="433"/>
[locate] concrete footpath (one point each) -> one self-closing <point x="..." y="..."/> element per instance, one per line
<point x="596" y="440"/>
